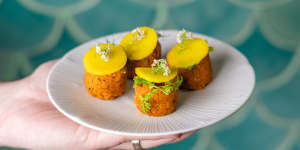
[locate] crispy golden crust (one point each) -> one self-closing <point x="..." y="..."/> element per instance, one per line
<point x="146" y="62"/>
<point x="161" y="104"/>
<point x="106" y="87"/>
<point x="199" y="77"/>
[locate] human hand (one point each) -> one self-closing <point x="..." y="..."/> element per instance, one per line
<point x="29" y="120"/>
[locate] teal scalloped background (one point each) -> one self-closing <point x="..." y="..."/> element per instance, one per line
<point x="266" y="31"/>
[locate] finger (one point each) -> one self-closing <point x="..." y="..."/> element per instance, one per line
<point x="105" y="140"/>
<point x="184" y="136"/>
<point x="37" y="81"/>
<point x="153" y="141"/>
<point x="40" y="75"/>
<point x="130" y="138"/>
<point x="145" y="143"/>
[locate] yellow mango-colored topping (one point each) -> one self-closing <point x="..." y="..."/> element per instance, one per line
<point x="187" y="53"/>
<point x="139" y="43"/>
<point x="159" y="77"/>
<point x="96" y="64"/>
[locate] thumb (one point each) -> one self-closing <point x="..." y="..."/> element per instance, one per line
<point x="37" y="81"/>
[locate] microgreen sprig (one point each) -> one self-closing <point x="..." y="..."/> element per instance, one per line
<point x="183" y="35"/>
<point x="211" y="49"/>
<point x="138" y="34"/>
<point x="104" y="52"/>
<point x="167" y="88"/>
<point x="160" y="65"/>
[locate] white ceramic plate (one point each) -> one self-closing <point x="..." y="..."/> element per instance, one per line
<point x="232" y="85"/>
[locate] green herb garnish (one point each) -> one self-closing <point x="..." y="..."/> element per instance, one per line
<point x="183" y="35"/>
<point x="170" y="86"/>
<point x="211" y="49"/>
<point x="146" y="106"/>
<point x="166" y="89"/>
<point x="138" y="81"/>
<point x="161" y="66"/>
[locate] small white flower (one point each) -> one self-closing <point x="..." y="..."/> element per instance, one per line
<point x="183" y="35"/>
<point x="98" y="48"/>
<point x="161" y="65"/>
<point x="139" y="34"/>
<point x="104" y="57"/>
<point x="103" y="52"/>
<point x="167" y="71"/>
<point x="154" y="63"/>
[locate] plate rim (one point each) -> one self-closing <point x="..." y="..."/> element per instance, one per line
<point x="125" y="133"/>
